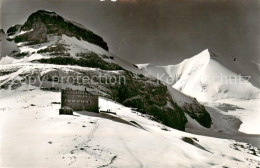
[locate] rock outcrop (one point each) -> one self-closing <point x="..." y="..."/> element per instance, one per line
<point x="42" y="22"/>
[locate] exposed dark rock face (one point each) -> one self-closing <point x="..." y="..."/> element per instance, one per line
<point x="14" y="29"/>
<point x="150" y="98"/>
<point x="86" y="60"/>
<point x="199" y="113"/>
<point x="44" y="22"/>
<point x="39" y="33"/>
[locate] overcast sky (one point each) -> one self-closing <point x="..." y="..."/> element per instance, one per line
<point x="157" y="31"/>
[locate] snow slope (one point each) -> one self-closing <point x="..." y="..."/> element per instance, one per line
<point x="215" y="80"/>
<point x="37" y="136"/>
<point x="204" y="77"/>
<point x="15" y="72"/>
<point x="33" y="132"/>
<point x="72" y="46"/>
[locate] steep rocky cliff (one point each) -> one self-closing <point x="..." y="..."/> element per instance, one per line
<point x="42" y="22"/>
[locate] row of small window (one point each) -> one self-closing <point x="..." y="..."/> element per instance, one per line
<point x="78" y="96"/>
<point x="78" y="101"/>
<point x="75" y="92"/>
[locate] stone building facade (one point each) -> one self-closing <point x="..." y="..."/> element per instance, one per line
<point x="80" y="100"/>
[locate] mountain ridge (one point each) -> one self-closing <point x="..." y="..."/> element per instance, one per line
<point x="42" y="22"/>
<point x="201" y="65"/>
<point x="227" y="84"/>
<point x="48" y="49"/>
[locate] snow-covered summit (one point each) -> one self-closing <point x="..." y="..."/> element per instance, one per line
<point x="217" y="79"/>
<point x="208" y="76"/>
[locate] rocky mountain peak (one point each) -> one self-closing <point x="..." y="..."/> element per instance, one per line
<point x="41" y="23"/>
<point x="14" y="29"/>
